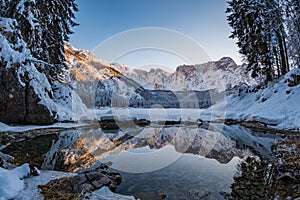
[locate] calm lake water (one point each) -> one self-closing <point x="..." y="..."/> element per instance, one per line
<point x="188" y="177"/>
<point x="174" y="161"/>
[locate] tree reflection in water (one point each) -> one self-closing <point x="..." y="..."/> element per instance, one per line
<point x="262" y="179"/>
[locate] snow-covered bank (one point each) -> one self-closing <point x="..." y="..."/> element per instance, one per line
<point x="11" y="181"/>
<point x="7" y="128"/>
<point x="18" y="185"/>
<point x="31" y="190"/>
<point x="105" y="194"/>
<point x="277" y="104"/>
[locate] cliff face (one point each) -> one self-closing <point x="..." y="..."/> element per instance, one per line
<point x="25" y="92"/>
<point x="96" y="82"/>
<point x="20" y="104"/>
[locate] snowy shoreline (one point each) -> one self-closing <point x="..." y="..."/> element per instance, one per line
<point x="28" y="187"/>
<point x="161" y="116"/>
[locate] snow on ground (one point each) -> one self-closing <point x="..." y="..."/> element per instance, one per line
<point x="104" y="193"/>
<point x="11" y="181"/>
<point x="69" y="105"/>
<point x="15" y="185"/>
<point x="31" y="190"/>
<point x="10" y="184"/>
<point x="276" y="104"/>
<point x="7" y="128"/>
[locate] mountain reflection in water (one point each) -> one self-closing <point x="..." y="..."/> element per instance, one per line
<point x="188" y="177"/>
<point x="175" y="161"/>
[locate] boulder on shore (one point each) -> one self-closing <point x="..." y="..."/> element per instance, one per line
<point x="20" y="104"/>
<point x="75" y="186"/>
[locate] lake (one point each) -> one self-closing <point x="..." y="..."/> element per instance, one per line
<point x="179" y="161"/>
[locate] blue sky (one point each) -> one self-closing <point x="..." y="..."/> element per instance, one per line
<point x="204" y="21"/>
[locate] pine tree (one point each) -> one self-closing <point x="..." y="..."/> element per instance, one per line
<point x="246" y="19"/>
<point x="275" y="27"/>
<point x="26" y="24"/>
<point x="259" y="27"/>
<point x="45" y="26"/>
<point x="57" y="19"/>
<point x="292" y="14"/>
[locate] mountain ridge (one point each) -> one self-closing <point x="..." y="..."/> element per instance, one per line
<point x="221" y="75"/>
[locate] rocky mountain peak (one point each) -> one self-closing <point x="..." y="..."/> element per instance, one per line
<point x="228" y="60"/>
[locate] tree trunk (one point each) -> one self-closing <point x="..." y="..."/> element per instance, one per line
<point x="277" y="61"/>
<point x="282" y="55"/>
<point x="286" y="55"/>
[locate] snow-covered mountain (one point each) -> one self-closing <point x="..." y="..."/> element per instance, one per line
<point x="220" y="75"/>
<point x="100" y="84"/>
<point x="96" y="81"/>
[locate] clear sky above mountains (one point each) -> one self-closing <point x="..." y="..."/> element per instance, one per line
<point x="202" y="20"/>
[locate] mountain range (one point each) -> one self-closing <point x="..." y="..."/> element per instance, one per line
<point x="100" y="84"/>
